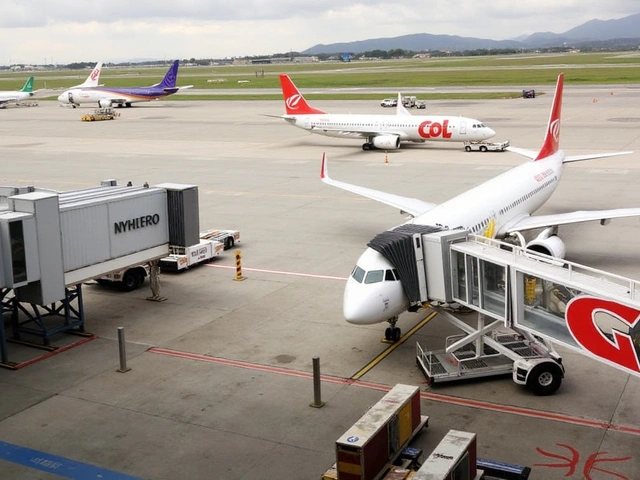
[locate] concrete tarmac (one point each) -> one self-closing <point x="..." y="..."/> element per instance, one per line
<point x="219" y="386"/>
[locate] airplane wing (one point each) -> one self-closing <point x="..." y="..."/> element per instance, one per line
<point x="412" y="206"/>
<point x="543" y="221"/>
<point x="8" y="100"/>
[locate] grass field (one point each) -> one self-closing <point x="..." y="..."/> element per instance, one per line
<point x="515" y="72"/>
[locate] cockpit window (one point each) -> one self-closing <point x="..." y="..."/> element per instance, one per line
<point x="358" y="274"/>
<point x="389" y="276"/>
<point x="374" y="276"/>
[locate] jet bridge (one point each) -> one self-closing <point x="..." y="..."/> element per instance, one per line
<point x="52" y="242"/>
<point x="525" y="304"/>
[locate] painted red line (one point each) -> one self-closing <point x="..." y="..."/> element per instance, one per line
<point x="54" y="352"/>
<point x="524" y="412"/>
<point x="279" y="272"/>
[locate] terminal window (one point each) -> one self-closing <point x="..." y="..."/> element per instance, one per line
<point x="18" y="257"/>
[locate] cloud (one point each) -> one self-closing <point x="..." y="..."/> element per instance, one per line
<point x="118" y="29"/>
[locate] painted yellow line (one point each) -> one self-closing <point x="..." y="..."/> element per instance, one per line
<point x="391" y="348"/>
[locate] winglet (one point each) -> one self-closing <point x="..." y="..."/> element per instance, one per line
<point x="294" y="102"/>
<point x="552" y="137"/>
<point x="324" y="171"/>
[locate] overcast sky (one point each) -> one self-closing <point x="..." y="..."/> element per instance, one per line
<point x="64" y="31"/>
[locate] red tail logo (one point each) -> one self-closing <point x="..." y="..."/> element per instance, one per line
<point x="552" y="138"/>
<point x="95" y="73"/>
<point x="294" y="102"/>
<point x="618" y="348"/>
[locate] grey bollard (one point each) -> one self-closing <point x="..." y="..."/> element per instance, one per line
<point x="317" y="397"/>
<point x="123" y="354"/>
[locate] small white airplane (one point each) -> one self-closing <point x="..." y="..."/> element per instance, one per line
<point x="91" y="81"/>
<point x="105" y="96"/>
<point x="379" y="131"/>
<point x="16" y="96"/>
<point x="499" y="207"/>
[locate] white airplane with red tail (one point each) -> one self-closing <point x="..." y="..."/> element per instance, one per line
<point x="379" y="131"/>
<point x="500" y="207"/>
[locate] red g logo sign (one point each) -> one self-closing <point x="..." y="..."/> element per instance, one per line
<point x="429" y="129"/>
<point x="619" y="349"/>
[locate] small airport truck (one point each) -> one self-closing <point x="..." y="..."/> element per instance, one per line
<point x="211" y="245"/>
<point x="181" y="258"/>
<point x="486" y="146"/>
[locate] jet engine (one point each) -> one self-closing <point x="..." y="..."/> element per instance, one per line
<point x="386" y="142"/>
<point x="549" y="243"/>
<point x="104" y="103"/>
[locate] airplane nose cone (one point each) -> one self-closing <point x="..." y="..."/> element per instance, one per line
<point x="490" y="133"/>
<point x="358" y="308"/>
<point x="63" y="98"/>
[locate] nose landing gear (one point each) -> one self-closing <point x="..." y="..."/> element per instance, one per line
<point x="392" y="334"/>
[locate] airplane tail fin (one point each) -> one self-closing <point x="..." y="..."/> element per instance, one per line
<point x="94" y="77"/>
<point x="28" y="87"/>
<point x="400" y="109"/>
<point x="294" y="102"/>
<point x="169" y="80"/>
<point x="552" y="138"/>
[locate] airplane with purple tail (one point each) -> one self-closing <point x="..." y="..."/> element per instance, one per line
<point x="124" y="96"/>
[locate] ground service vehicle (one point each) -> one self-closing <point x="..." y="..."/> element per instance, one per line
<point x="212" y="243"/>
<point x="420" y="104"/>
<point x="181" y="258"/>
<point x="409" y="101"/>
<point x="227" y="237"/>
<point x="486" y="146"/>
<point x="389" y="102"/>
<point x="128" y="279"/>
<point x="99" y="114"/>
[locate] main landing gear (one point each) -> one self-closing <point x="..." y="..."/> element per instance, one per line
<point x="368" y="145"/>
<point x="392" y="333"/>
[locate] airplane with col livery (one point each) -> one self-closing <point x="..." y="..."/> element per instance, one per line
<point x="500" y="207"/>
<point x="379" y="131"/>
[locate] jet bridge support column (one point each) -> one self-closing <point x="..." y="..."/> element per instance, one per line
<point x="39" y="319"/>
<point x="5" y="307"/>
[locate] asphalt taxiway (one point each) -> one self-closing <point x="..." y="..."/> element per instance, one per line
<point x="220" y="383"/>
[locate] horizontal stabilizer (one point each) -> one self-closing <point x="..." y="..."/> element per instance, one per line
<point x="580" y="158"/>
<point x="544" y="221"/>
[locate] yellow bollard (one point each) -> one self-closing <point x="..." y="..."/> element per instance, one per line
<point x="529" y="290"/>
<point x="239" y="276"/>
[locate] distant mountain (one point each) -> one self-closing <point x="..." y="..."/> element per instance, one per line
<point x="416" y="42"/>
<point x="591" y="31"/>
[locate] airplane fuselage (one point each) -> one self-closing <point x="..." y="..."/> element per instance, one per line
<point x="94" y="95"/>
<point x="16" y="96"/>
<point x="406" y="127"/>
<point x="504" y="199"/>
<point x="517" y="192"/>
